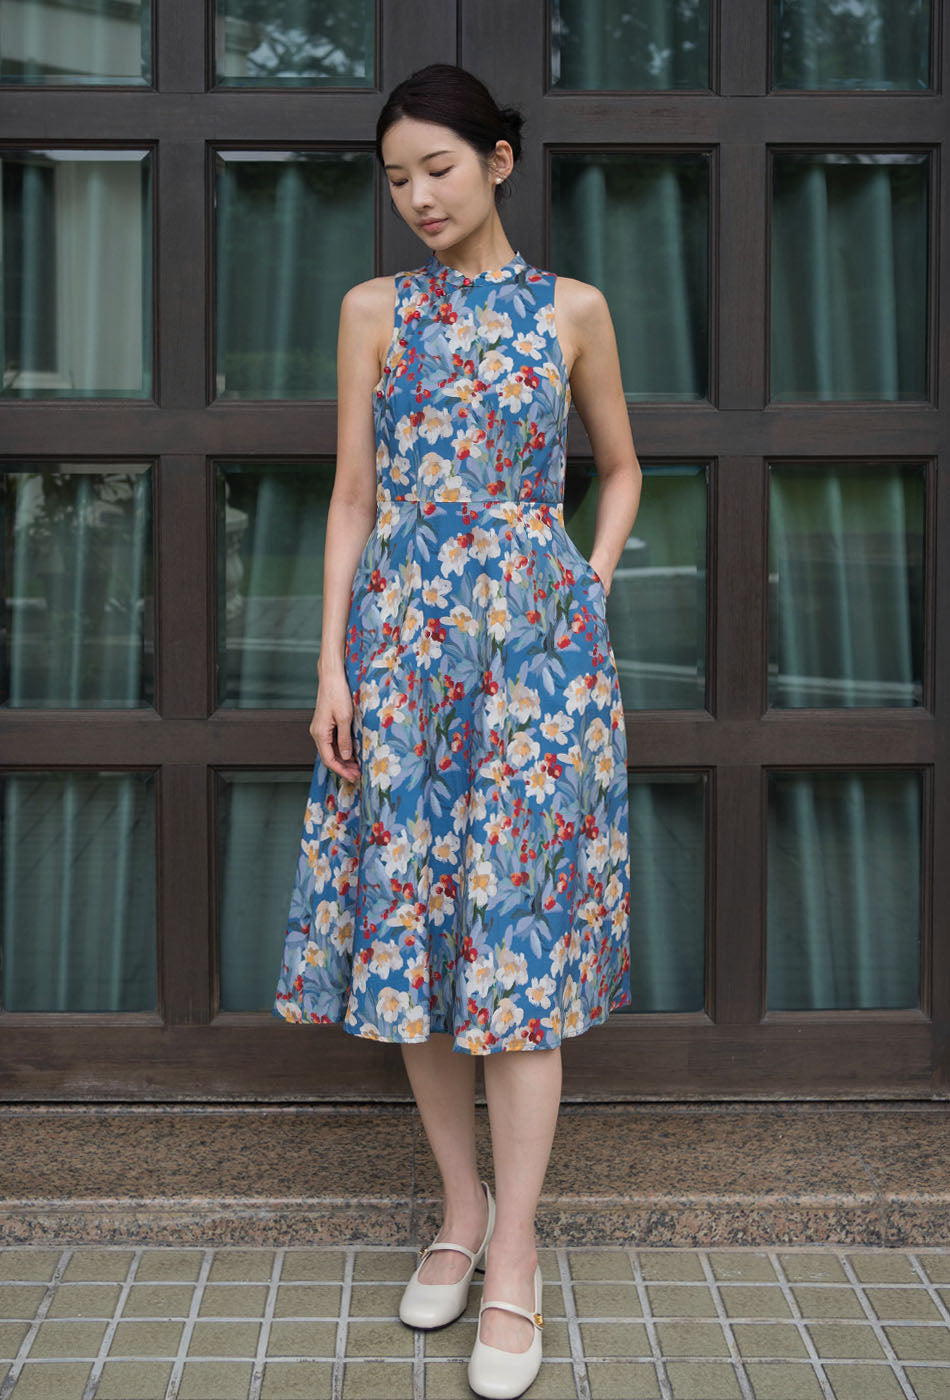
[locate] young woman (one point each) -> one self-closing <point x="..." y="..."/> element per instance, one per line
<point x="463" y="882"/>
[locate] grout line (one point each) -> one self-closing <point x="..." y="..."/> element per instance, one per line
<point x="263" y="1339"/>
<point x="581" y="1380"/>
<point x="39" y="1316"/>
<point x="95" y="1375"/>
<point x="878" y="1326"/>
<point x="799" y="1322"/>
<point x="738" y="1364"/>
<point x="418" y="1364"/>
<point x="174" y="1380"/>
<point x="346" y="1293"/>
<point x="649" y="1321"/>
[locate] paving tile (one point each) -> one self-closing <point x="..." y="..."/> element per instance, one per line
<point x="604" y="1300"/>
<point x="455" y="1340"/>
<point x="378" y="1339"/>
<point x="233" y="1300"/>
<point x="84" y="1300"/>
<point x="815" y="1301"/>
<point x="69" y="1340"/>
<point x="881" y="1266"/>
<point x="308" y="1300"/>
<point x="623" y="1380"/>
<point x="20" y="1300"/>
<point x="783" y="1380"/>
<point x="385" y="1265"/>
<point x="134" y="1380"/>
<point x="811" y="1267"/>
<point x="169" y="1265"/>
<point x="158" y="1300"/>
<point x="59" y="1380"/>
<point x="671" y="1264"/>
<point x="11" y="1337"/>
<point x="774" y="1339"/>
<point x="146" y="1338"/>
<point x="857" y="1382"/>
<point x="615" y="1339"/>
<point x="936" y="1266"/>
<point x="692" y="1339"/>
<point x="89" y="1265"/>
<point x="375" y="1299"/>
<point x="224" y="1339"/>
<point x="302" y="1338"/>
<point x="754" y="1300"/>
<point x="845" y="1339"/>
<point x="241" y="1265"/>
<point x="703" y="1380"/>
<point x="377" y="1380"/>
<point x="911" y="1304"/>
<point x="680" y="1300"/>
<point x="297" y="1380"/>
<point x="24" y="1265"/>
<point x="214" y="1380"/>
<point x="930" y="1383"/>
<point x="741" y="1267"/>
<point x="919" y="1343"/>
<point x="316" y="1265"/>
<point x="600" y="1264"/>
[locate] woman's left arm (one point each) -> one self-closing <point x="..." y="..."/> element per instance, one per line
<point x="597" y="394"/>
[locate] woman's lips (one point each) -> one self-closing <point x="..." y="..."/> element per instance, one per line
<point x="431" y="224"/>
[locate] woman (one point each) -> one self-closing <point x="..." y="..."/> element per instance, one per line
<point x="463" y="885"/>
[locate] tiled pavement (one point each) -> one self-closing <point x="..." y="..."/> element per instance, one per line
<point x="169" y="1323"/>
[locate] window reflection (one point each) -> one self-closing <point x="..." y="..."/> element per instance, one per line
<point x="294" y="230"/>
<point x="844" y="890"/>
<point x="77" y="42"/>
<point x="77" y="273"/>
<point x="851" y="44"/>
<point x="629" y="46"/>
<point x="849" y="276"/>
<point x="77" y="585"/>
<point x="294" y="43"/>
<point x="637" y="226"/>
<point x="846" y="585"/>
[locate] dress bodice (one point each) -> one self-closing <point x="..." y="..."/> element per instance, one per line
<point x="474" y="397"/>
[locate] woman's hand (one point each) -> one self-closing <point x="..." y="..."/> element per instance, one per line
<point x="330" y="727"/>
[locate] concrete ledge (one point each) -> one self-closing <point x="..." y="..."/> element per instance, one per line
<point x="695" y="1174"/>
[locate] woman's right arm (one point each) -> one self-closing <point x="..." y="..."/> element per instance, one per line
<point x="352" y="511"/>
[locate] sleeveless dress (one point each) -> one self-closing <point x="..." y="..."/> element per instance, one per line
<point x="475" y="878"/>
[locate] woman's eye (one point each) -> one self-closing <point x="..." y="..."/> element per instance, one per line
<point x="442" y="172"/>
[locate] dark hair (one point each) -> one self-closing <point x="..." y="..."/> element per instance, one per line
<point x="452" y="97"/>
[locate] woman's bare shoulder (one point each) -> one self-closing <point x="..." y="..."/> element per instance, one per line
<point x="580" y="313"/>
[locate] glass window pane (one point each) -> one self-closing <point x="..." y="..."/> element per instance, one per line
<point x="271" y="528"/>
<point x="78" y="891"/>
<point x="846" y="585"/>
<point x="861" y="44"/>
<point x="656" y="608"/>
<point x="294" y="230"/>
<point x="629" y="46"/>
<point x="294" y="43"/>
<point x="849" y="276"/>
<point x="76" y="285"/>
<point x="844" y="890"/>
<point x="637" y="226"/>
<point x="258" y="841"/>
<point x="95" y="41"/>
<point x="77" y="585"/>
<point x="667" y="870"/>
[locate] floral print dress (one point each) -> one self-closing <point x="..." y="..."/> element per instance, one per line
<point x="475" y="878"/>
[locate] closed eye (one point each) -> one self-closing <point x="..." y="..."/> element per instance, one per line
<point x="436" y="173"/>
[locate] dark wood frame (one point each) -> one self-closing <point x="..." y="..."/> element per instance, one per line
<point x="732" y="1050"/>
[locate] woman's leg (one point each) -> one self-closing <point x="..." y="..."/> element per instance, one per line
<point x="523" y="1092"/>
<point x="443" y="1084"/>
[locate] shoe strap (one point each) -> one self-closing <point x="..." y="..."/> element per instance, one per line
<point x="431" y="1248"/>
<point x="534" y="1317"/>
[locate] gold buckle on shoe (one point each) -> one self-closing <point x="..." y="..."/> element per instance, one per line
<point x="539" y="1319"/>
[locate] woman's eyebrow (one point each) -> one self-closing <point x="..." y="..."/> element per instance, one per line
<point x="394" y="166"/>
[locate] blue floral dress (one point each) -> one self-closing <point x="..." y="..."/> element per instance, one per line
<point x="475" y="878"/>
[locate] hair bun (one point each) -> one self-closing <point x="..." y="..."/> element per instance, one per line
<point x="513" y="121"/>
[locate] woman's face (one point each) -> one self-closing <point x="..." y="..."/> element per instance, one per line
<point x="437" y="181"/>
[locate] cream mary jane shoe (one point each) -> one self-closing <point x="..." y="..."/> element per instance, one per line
<point x="434" y="1304"/>
<point x="500" y="1374"/>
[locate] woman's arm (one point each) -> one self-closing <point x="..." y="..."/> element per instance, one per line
<point x="352" y="511"/>
<point x="590" y="349"/>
